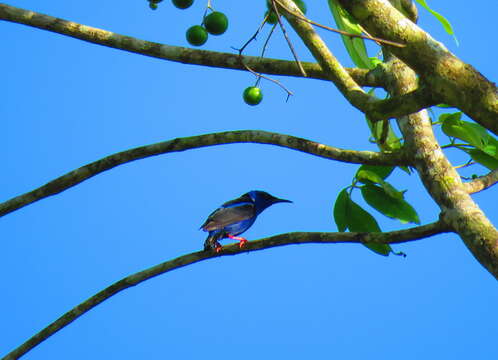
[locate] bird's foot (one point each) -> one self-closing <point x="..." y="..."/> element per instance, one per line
<point x="218" y="248"/>
<point x="242" y="241"/>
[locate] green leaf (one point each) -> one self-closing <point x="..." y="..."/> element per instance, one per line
<point x="368" y="177"/>
<point x="491" y="149"/>
<point x="486" y="145"/>
<point x="350" y="215"/>
<point x="392" y="142"/>
<point x="359" y="220"/>
<point x="369" y="174"/>
<point x="382" y="249"/>
<point x="392" y="191"/>
<point x="446" y="116"/>
<point x="390" y="206"/>
<point x="455" y="127"/>
<point x="373" y="173"/>
<point x="446" y="24"/>
<point x="341" y="209"/>
<point x="355" y="46"/>
<point x="482" y="158"/>
<point x="470" y="132"/>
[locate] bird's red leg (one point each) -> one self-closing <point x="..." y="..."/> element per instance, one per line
<point x="217" y="247"/>
<point x="242" y="241"/>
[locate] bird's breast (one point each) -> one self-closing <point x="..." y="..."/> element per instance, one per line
<point x="239" y="227"/>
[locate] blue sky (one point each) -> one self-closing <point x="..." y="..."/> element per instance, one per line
<point x="67" y="103"/>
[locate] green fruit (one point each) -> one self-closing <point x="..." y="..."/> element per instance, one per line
<point x="216" y="23"/>
<point x="153" y="5"/>
<point x="183" y="4"/>
<point x="272" y="18"/>
<point x="197" y="35"/>
<point x="253" y="95"/>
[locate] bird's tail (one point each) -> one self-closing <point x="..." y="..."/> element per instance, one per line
<point x="211" y="242"/>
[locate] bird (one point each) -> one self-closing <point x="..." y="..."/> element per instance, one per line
<point x="236" y="216"/>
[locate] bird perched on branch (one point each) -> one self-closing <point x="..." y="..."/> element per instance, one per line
<point x="236" y="216"/>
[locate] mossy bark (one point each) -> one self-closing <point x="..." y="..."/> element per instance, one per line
<point x="447" y="77"/>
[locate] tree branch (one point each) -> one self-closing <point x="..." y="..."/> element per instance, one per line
<point x="338" y="31"/>
<point x="401" y="105"/>
<point x="374" y="108"/>
<point x="440" y="178"/>
<point x="329" y="63"/>
<point x="393" y="237"/>
<point x="482" y="182"/>
<point x="181" y="144"/>
<point x="453" y="81"/>
<point x="175" y="53"/>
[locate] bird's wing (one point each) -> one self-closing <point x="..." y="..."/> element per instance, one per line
<point x="227" y="215"/>
<point x="244" y="199"/>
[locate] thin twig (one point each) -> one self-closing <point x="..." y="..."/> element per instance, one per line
<point x="259" y="75"/>
<point x="385" y="132"/>
<point x="255" y="73"/>
<point x="291" y="47"/>
<point x="456" y="146"/>
<point x="468" y="163"/>
<point x="342" y="32"/>
<point x="482" y="182"/>
<point x="263" y="50"/>
<point x="253" y="37"/>
<point x="265" y="45"/>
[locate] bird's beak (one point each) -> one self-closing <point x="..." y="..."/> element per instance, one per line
<point x="281" y="201"/>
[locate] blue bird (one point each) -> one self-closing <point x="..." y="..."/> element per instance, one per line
<point x="236" y="216"/>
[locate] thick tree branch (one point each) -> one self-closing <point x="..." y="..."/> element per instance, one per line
<point x="176" y="53"/>
<point x="482" y="182"/>
<point x="181" y="144"/>
<point x="301" y="16"/>
<point x="440" y="178"/>
<point x="374" y="108"/>
<point x="402" y="105"/>
<point x="393" y="237"/>
<point x="353" y="77"/>
<point x="329" y="63"/>
<point x="449" y="78"/>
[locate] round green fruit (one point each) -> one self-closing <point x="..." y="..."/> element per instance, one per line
<point x="216" y="23"/>
<point x="253" y="95"/>
<point x="197" y="35"/>
<point x="183" y="4"/>
<point x="153" y="5"/>
<point x="271" y="17"/>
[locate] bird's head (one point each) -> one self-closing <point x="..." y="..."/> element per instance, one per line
<point x="263" y="200"/>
